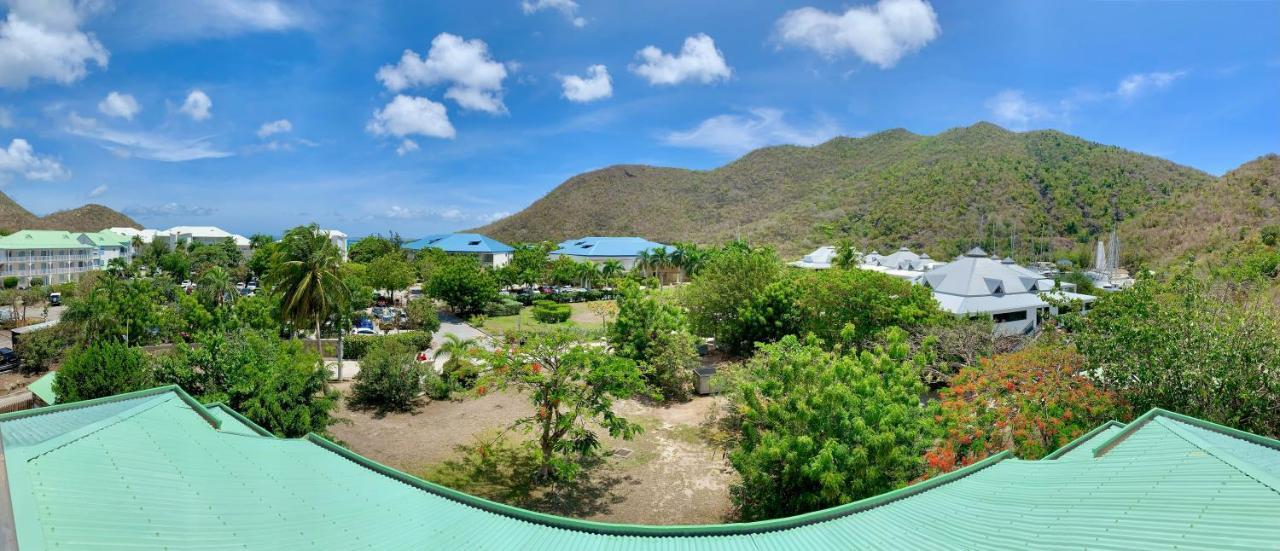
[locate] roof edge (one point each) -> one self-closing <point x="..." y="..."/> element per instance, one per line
<point x="648" y="530"/>
<point x="1147" y="417"/>
<point x="238" y="417"/>
<point x="182" y="394"/>
<point x="1082" y="439"/>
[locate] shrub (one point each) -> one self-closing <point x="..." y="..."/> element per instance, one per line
<point x="1271" y="235"/>
<point x="36" y="282"/>
<point x="503" y="307"/>
<point x="103" y="369"/>
<point x="356" y="346"/>
<point x="422" y="315"/>
<point x="10" y="282"/>
<point x="546" y="311"/>
<point x="38" y="350"/>
<point x="390" y="378"/>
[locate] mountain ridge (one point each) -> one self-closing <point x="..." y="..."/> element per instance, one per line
<point x="978" y="184"/>
<point x="85" y="218"/>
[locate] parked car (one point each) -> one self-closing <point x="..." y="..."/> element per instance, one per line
<point x="364" y="331"/>
<point x="364" y="322"/>
<point x="55" y="299"/>
<point x="8" y="359"/>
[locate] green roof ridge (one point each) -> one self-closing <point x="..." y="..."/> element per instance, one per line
<point x="1083" y="438"/>
<point x="1147" y="417"/>
<point x="606" y="528"/>
<point x="197" y="406"/>
<point x="1250" y="470"/>
<point x="238" y="417"/>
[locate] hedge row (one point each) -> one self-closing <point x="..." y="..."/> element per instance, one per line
<point x="577" y="296"/>
<point x="355" y="346"/>
<point x="504" y="307"/>
<point x="546" y="311"/>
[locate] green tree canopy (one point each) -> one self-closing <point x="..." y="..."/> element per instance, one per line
<point x="463" y="284"/>
<point x="101" y="369"/>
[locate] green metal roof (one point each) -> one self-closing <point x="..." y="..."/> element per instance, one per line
<point x="43" y="388"/>
<point x="42" y="239"/>
<point x="108" y="237"/>
<point x="155" y="469"/>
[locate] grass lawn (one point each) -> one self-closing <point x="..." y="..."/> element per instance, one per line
<point x="581" y="317"/>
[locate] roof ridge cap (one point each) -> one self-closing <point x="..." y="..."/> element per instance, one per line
<point x="65" y="439"/>
<point x="1248" y="469"/>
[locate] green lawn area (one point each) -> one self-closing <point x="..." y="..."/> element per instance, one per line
<point x="581" y="318"/>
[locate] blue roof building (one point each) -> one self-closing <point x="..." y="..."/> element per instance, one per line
<point x="601" y="249"/>
<point x="492" y="253"/>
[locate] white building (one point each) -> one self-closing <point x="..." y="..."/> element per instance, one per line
<point x="339" y="240"/>
<point x="51" y="256"/>
<point x="1014" y="296"/>
<point x="207" y="235"/>
<point x="902" y="263"/>
<point x="821" y="258"/>
<point x="147" y="236"/>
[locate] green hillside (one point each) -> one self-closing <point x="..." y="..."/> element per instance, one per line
<point x="91" y="217"/>
<point x="980" y="184"/>
<point x="1206" y="222"/>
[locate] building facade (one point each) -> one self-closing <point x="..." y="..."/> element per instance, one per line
<point x="49" y="256"/>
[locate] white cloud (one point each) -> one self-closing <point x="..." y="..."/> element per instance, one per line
<point x="98" y="191"/>
<point x="196" y="19"/>
<point x="567" y="8"/>
<point x="274" y="127"/>
<point x="167" y="210"/>
<point x="596" y="85"/>
<point x="406" y="147"/>
<point x="699" y="60"/>
<point x="20" y="158"/>
<point x="736" y="134"/>
<point x="408" y="115"/>
<point x="197" y="105"/>
<point x="495" y="216"/>
<point x="1138" y="84"/>
<point x="879" y="34"/>
<point x="473" y="77"/>
<point x="143" y="145"/>
<point x="41" y="39"/>
<point x="452" y="214"/>
<point x="1012" y="108"/>
<point x="119" y="105"/>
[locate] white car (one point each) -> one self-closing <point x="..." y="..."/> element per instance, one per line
<point x="363" y="331"/>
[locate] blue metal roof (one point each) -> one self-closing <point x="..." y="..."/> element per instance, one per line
<point x="460" y="243"/>
<point x="608" y="246"/>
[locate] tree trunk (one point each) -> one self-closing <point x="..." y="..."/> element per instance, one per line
<point x="340" y="332"/>
<point x="319" y="345"/>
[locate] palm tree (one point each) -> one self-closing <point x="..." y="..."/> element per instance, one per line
<point x="215" y="285"/>
<point x="307" y="278"/>
<point x="458" y="349"/>
<point x="659" y="260"/>
<point x="610" y="270"/>
<point x="644" y="261"/>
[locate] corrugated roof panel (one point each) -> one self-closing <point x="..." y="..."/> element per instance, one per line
<point x="148" y="473"/>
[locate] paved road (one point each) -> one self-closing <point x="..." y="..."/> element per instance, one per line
<point x="451" y="324"/>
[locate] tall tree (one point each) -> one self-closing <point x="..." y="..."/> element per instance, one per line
<point x="307" y="278"/>
<point x="215" y="286"/>
<point x="390" y="272"/>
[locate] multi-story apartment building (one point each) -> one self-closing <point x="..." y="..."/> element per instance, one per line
<point x="51" y="256"/>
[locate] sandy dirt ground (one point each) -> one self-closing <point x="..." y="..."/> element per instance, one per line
<point x="667" y="475"/>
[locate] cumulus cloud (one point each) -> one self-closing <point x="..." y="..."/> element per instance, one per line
<point x="596" y="85"/>
<point x="143" y="145"/>
<point x="473" y="77"/>
<point x="1139" y="84"/>
<point x="43" y="40"/>
<point x="21" y="159"/>
<point x="409" y="115"/>
<point x="119" y="105"/>
<point x="699" y="61"/>
<point x="879" y="34"/>
<point x="98" y="191"/>
<point x="567" y="8"/>
<point x="275" y="127"/>
<point x="197" y="105"/>
<point x="406" y="147"/>
<point x="1013" y="109"/>
<point x="168" y="210"/>
<point x="737" y="134"/>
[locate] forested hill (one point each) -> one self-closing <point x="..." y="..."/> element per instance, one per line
<point x="1206" y="222"/>
<point x="91" y="217"/>
<point x="978" y="184"/>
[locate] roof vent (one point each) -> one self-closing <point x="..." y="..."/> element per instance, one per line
<point x="976" y="252"/>
<point x="1007" y="260"/>
<point x="473" y="243"/>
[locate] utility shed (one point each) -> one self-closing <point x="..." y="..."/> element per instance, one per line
<point x="157" y="470"/>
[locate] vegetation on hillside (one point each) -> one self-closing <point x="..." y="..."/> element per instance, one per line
<point x="87" y="218"/>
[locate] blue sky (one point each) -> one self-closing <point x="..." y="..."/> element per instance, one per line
<point x="421" y="117"/>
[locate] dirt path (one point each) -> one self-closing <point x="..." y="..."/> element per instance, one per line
<point x="666" y="475"/>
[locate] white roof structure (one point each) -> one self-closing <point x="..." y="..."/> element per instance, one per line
<point x="974" y="284"/>
<point x="901" y="259"/>
<point x="208" y="233"/>
<point x="820" y="259"/>
<point x="147" y="235"/>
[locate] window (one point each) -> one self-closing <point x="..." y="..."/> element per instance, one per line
<point x="1010" y="316"/>
<point x="473" y="243"/>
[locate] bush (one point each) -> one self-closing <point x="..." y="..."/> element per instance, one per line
<point x="422" y="315"/>
<point x="103" y="369"/>
<point x="36" y="282"/>
<point x="10" y="282"/>
<point x="356" y="346"/>
<point x="503" y="307"/>
<point x="390" y="378"/>
<point x="38" y="350"/>
<point x="546" y="311"/>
